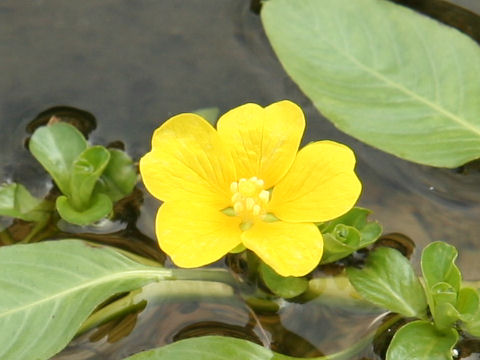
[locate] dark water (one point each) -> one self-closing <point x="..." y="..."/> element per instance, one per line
<point x="135" y="63"/>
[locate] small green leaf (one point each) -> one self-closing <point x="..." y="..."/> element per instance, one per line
<point x="16" y="201"/>
<point x="438" y="265"/>
<point x="442" y="305"/>
<point x="50" y="288"/>
<point x="119" y="177"/>
<point x="419" y="340"/>
<point x="86" y="170"/>
<point x="339" y="243"/>
<point x="469" y="308"/>
<point x="410" y="89"/>
<point x="209" y="348"/>
<point x="100" y="207"/>
<point x="56" y="147"/>
<point x="210" y="114"/>
<point x="468" y="303"/>
<point x="285" y="287"/>
<point x="388" y="280"/>
<point x="348" y="233"/>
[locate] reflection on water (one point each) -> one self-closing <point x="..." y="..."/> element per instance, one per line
<point x="134" y="64"/>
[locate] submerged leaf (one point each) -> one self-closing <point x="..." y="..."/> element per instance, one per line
<point x="391" y="77"/>
<point x="208" y="348"/>
<point x="48" y="289"/>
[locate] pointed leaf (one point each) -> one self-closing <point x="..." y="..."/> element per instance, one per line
<point x="56" y="147"/>
<point x="419" y="340"/>
<point x="388" y="281"/>
<point x="393" y="78"/>
<point x="48" y="289"/>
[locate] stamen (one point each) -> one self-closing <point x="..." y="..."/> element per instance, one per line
<point x="264" y="196"/>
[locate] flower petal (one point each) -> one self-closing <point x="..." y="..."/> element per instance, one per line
<point x="321" y="184"/>
<point x="263" y="141"/>
<point x="195" y="235"/>
<point x="188" y="162"/>
<point x="290" y="249"/>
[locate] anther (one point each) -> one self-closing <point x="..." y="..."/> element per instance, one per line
<point x="264" y="196"/>
<point x="249" y="202"/>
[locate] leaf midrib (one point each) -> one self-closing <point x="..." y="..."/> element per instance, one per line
<point x="400" y="87"/>
<point x="147" y="273"/>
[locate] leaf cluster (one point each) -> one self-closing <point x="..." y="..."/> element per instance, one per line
<point x="90" y="178"/>
<point x="438" y="302"/>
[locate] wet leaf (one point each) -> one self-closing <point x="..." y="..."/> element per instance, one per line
<point x="119" y="177"/>
<point x="419" y="340"/>
<point x="388" y="280"/>
<point x="99" y="207"/>
<point x="50" y="288"/>
<point x="208" y="348"/>
<point x="17" y="202"/>
<point x="285" y="287"/>
<point x="86" y="170"/>
<point x="56" y="147"/>
<point x="389" y="76"/>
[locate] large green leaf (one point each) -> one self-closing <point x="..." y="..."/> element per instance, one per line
<point x="56" y="147"/>
<point x="438" y="265"/>
<point x="384" y="74"/>
<point x="209" y="348"/>
<point x="48" y="289"/>
<point x="388" y="280"/>
<point x="419" y="340"/>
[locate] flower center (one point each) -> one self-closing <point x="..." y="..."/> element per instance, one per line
<point x="249" y="199"/>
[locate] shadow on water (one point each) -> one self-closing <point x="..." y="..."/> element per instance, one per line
<point x="134" y="64"/>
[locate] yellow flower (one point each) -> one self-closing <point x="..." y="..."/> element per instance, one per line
<point x="246" y="184"/>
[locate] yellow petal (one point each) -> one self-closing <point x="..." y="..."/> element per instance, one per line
<point x="321" y="184"/>
<point x="290" y="249"/>
<point x="188" y="162"/>
<point x="195" y="235"/>
<point x="263" y="141"/>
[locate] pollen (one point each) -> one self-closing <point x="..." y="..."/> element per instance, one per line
<point x="249" y="199"/>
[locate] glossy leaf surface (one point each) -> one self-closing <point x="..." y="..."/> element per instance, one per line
<point x="48" y="289"/>
<point x="56" y="147"/>
<point x="388" y="280"/>
<point x="419" y="340"/>
<point x="389" y="76"/>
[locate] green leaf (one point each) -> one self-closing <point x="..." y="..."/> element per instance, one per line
<point x="442" y="305"/>
<point x="348" y="233"/>
<point x="285" y="287"/>
<point x="119" y="177"/>
<point x="410" y="89"/>
<point x="388" y="280"/>
<point x="100" y="207"/>
<point x="16" y="201"/>
<point x="438" y="265"/>
<point x="210" y="114"/>
<point x="469" y="308"/>
<point x="209" y="348"/>
<point x="86" y="170"/>
<point x="56" y="147"/>
<point x="419" y="340"/>
<point x="50" y="288"/>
